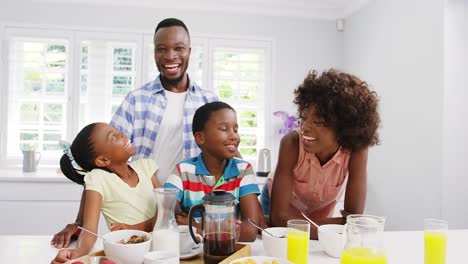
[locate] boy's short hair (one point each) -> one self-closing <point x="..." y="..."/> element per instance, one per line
<point x="203" y="113"/>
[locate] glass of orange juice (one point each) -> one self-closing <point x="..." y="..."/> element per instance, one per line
<point x="298" y="241"/>
<point x="435" y="241"/>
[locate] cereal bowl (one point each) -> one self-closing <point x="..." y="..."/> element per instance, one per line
<point x="260" y="260"/>
<point x="332" y="238"/>
<point x="276" y="246"/>
<point x="126" y="253"/>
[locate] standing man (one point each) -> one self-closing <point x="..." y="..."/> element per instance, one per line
<point x="157" y="117"/>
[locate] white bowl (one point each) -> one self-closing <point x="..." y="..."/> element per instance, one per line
<point x="332" y="238"/>
<point x="274" y="246"/>
<point x="126" y="253"/>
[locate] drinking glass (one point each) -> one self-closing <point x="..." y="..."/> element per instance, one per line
<point x="435" y="240"/>
<point x="298" y="241"/>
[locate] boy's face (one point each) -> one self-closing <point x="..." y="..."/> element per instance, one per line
<point x="219" y="137"/>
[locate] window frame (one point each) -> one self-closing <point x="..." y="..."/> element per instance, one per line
<point x="75" y="36"/>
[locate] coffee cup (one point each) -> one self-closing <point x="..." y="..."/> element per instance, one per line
<point x="186" y="242"/>
<point x="161" y="257"/>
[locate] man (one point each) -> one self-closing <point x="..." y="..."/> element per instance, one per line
<point x="157" y="117"/>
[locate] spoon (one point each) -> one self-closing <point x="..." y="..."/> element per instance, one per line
<point x="310" y="220"/>
<point x="252" y="223"/>
<point x="91" y="232"/>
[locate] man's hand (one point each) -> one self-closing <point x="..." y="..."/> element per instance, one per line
<point x="65" y="255"/>
<point x="62" y="239"/>
<point x="120" y="226"/>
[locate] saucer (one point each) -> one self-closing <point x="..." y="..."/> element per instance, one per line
<point x="195" y="251"/>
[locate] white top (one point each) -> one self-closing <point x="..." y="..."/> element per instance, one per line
<point x="167" y="151"/>
<point x="120" y="202"/>
<point x="404" y="247"/>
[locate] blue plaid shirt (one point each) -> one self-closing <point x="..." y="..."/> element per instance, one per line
<point x="140" y="115"/>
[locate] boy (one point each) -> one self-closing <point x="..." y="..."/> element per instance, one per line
<point x="216" y="168"/>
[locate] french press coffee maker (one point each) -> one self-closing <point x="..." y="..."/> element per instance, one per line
<point x="218" y="224"/>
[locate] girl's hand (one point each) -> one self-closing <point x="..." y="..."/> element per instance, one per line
<point x="238" y="229"/>
<point x="120" y="226"/>
<point x="65" y="255"/>
<point x="62" y="239"/>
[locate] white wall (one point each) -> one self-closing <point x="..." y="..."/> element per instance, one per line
<point x="299" y="44"/>
<point x="455" y="115"/>
<point x="397" y="47"/>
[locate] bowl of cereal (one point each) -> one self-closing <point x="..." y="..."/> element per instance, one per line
<point x="276" y="245"/>
<point x="127" y="246"/>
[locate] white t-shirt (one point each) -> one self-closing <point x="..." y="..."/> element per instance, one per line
<point x="167" y="150"/>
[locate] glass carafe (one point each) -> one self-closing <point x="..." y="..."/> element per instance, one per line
<point x="364" y="240"/>
<point x="166" y="231"/>
<point x="218" y="224"/>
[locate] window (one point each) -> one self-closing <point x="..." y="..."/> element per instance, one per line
<point x="37" y="93"/>
<point x="57" y="81"/>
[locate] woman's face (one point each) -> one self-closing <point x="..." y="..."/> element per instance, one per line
<point x="317" y="136"/>
<point x="112" y="143"/>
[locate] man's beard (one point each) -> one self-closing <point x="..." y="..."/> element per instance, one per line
<point x="173" y="82"/>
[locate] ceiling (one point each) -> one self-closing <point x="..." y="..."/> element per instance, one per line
<point x="318" y="9"/>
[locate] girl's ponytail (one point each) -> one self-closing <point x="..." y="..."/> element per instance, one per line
<point x="70" y="172"/>
<point x="79" y="157"/>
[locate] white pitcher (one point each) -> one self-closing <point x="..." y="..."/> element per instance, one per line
<point x="30" y="160"/>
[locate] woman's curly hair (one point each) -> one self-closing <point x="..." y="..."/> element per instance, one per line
<point x="345" y="103"/>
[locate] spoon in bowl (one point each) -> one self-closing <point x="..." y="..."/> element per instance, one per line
<point x="310" y="220"/>
<point x="91" y="232"/>
<point x="257" y="226"/>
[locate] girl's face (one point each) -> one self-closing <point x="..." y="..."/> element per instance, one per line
<point x="317" y="136"/>
<point x="219" y="137"/>
<point x="111" y="144"/>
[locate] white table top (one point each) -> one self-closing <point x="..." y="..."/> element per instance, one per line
<point x="401" y="248"/>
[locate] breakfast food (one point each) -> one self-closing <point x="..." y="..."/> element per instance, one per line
<point x="134" y="240"/>
<point x="252" y="261"/>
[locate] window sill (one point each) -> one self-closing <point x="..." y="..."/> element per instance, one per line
<point x="43" y="174"/>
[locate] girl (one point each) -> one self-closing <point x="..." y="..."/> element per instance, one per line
<point x="122" y="191"/>
<point x="327" y="155"/>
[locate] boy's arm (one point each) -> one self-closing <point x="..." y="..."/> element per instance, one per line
<point x="249" y="207"/>
<point x="70" y="232"/>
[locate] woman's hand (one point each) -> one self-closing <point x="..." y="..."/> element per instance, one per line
<point x="62" y="239"/>
<point x="65" y="255"/>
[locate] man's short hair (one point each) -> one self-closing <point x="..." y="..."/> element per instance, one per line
<point x="169" y="22"/>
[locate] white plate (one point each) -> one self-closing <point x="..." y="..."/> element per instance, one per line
<point x="195" y="251"/>
<point x="261" y="259"/>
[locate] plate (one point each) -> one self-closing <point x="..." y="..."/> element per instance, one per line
<point x="195" y="251"/>
<point x="259" y="260"/>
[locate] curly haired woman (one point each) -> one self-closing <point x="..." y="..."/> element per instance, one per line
<point x="327" y="155"/>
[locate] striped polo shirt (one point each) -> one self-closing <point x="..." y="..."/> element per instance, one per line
<point x="194" y="181"/>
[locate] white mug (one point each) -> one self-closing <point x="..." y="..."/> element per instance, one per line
<point x="161" y="257"/>
<point x="186" y="242"/>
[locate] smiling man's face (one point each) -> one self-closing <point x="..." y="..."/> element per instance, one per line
<point x="172" y="53"/>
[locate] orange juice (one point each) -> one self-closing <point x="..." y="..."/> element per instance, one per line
<point x="298" y="247"/>
<point x="362" y="255"/>
<point x="434" y="247"/>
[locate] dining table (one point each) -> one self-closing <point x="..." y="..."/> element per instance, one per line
<point x="401" y="247"/>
